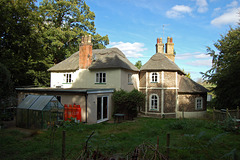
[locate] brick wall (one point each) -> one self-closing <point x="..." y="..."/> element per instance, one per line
<point x="169" y="101"/>
<point x="187" y="102"/>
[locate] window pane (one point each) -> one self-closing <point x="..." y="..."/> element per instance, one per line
<point x="99" y="108"/>
<point x="154" y="77"/>
<point x="154" y="102"/>
<point x="97" y="77"/>
<point x="100" y="79"/>
<point x="105" y="101"/>
<point x="129" y="78"/>
<point x="104" y="77"/>
<point x="199" y="103"/>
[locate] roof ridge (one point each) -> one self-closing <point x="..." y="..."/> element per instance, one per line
<point x="160" y="62"/>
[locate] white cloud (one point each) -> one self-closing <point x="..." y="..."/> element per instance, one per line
<point x="182" y="8"/>
<point x="178" y="11"/>
<point x="183" y="56"/>
<point x="207" y="62"/>
<point x="197" y="55"/>
<point x="202" y="6"/>
<point x="130" y="49"/>
<point x="202" y="56"/>
<point x="233" y="4"/>
<point x="216" y="11"/>
<point x="229" y="17"/>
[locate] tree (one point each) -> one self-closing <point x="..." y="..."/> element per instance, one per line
<point x="19" y="40"/>
<point x="138" y="64"/>
<point x="6" y="85"/>
<point x="64" y="23"/>
<point x="33" y="38"/>
<point x="225" y="71"/>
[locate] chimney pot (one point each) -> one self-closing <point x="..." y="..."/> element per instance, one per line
<point x="82" y="40"/>
<point x="168" y="39"/>
<point x="159" y="46"/>
<point x="85" y="39"/>
<point x="89" y="39"/>
<point x="171" y="40"/>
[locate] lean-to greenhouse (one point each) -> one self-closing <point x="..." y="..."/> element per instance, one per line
<point x="39" y="112"/>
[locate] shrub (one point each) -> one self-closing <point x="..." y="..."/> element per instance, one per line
<point x="128" y="102"/>
<point x="229" y="125"/>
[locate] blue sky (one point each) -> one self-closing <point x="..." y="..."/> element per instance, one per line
<point x="134" y="26"/>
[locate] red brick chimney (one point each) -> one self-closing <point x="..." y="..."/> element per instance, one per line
<point x="85" y="52"/>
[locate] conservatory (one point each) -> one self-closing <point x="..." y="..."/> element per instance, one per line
<point x="39" y="112"/>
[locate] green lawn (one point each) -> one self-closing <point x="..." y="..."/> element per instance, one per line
<point x="189" y="139"/>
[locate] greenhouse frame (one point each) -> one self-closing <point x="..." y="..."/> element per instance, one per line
<point x="39" y="112"/>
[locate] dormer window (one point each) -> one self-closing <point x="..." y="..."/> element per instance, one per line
<point x="100" y="77"/>
<point x="154" y="77"/>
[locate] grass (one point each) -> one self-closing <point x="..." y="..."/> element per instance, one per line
<point x="189" y="139"/>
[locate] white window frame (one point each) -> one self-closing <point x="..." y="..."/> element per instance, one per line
<point x="68" y="78"/>
<point x="150" y="102"/>
<point x="130" y="78"/>
<point x="103" y="119"/>
<point x="101" y="77"/>
<point x="153" y="79"/>
<point x="199" y="103"/>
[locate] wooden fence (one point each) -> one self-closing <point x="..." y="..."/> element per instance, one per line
<point x="223" y="114"/>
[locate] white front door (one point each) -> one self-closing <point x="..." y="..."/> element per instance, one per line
<point x="102" y="109"/>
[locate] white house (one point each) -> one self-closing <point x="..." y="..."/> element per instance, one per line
<point x="89" y="77"/>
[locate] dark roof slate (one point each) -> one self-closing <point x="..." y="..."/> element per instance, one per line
<point x="187" y="85"/>
<point x="160" y="62"/>
<point x="102" y="59"/>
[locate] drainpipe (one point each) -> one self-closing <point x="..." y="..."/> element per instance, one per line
<point x="86" y="96"/>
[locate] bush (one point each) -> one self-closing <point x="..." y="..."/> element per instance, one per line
<point x="229" y="125"/>
<point x="128" y="102"/>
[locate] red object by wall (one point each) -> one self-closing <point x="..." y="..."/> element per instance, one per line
<point x="72" y="111"/>
<point x="65" y="112"/>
